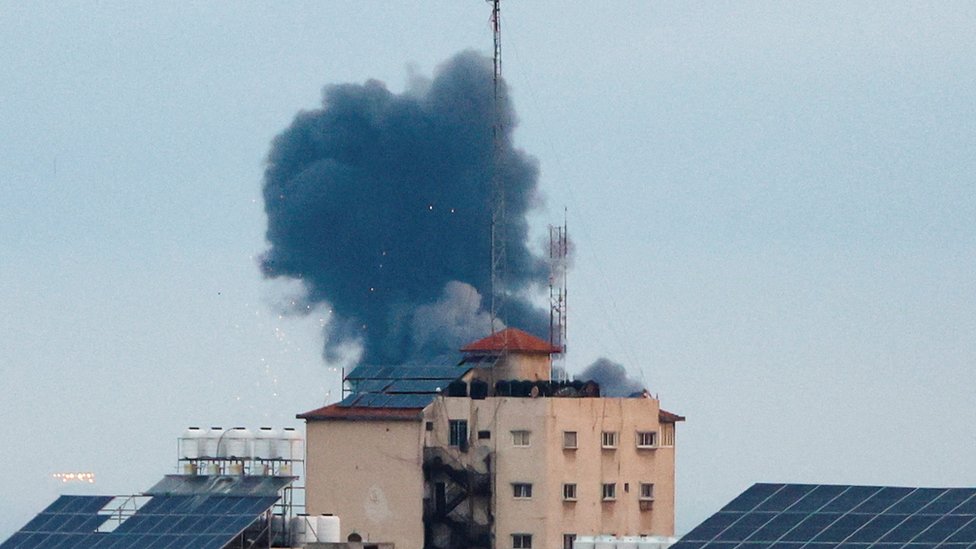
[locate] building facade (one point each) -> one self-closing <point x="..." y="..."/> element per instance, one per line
<point x="495" y="455"/>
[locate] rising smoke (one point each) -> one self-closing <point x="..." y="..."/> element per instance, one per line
<point x="379" y="203"/>
<point x="612" y="378"/>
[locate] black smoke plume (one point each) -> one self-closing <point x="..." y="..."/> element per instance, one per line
<point x="612" y="378"/>
<point x="380" y="204"/>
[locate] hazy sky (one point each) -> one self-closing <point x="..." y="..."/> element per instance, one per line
<point x="774" y="208"/>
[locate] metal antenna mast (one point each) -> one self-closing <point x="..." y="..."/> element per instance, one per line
<point x="558" y="267"/>
<point x="498" y="254"/>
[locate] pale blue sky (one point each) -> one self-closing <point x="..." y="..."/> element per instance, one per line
<point x="773" y="206"/>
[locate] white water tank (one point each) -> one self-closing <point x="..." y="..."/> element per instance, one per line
<point x="290" y="445"/>
<point x="604" y="542"/>
<point x="191" y="442"/>
<point x="627" y="542"/>
<point x="583" y="542"/>
<point x="298" y="526"/>
<point x="328" y="530"/>
<point x="211" y="441"/>
<point x="237" y="444"/>
<point x="311" y="529"/>
<point x="266" y="443"/>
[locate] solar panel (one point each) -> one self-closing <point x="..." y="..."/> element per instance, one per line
<point x="370" y="372"/>
<point x="197" y="521"/>
<point x="230" y="485"/>
<point x="792" y="516"/>
<point x="417" y="386"/>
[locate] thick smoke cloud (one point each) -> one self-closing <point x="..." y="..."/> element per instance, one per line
<point x="380" y="204"/>
<point x="612" y="377"/>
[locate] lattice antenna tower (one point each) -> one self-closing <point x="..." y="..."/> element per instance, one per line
<point x="498" y="233"/>
<point x="558" y="307"/>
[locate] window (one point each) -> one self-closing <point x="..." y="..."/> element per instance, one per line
<point x="569" y="492"/>
<point x="521" y="541"/>
<point x="609" y="491"/>
<point x="522" y="490"/>
<point x="429" y="426"/>
<point x="484" y="435"/>
<point x="609" y="439"/>
<point x="647" y="439"/>
<point x="568" y="540"/>
<point x="569" y="440"/>
<point x="520" y="438"/>
<point x="458" y="432"/>
<point x="646" y="491"/>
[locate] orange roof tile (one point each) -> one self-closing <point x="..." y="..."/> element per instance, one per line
<point x="334" y="412"/>
<point x="511" y="339"/>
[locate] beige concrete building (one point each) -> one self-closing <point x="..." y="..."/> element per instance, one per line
<point x="490" y="453"/>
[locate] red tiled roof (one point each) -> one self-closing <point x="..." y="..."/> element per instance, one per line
<point x="665" y="416"/>
<point x="511" y="339"/>
<point x="334" y="412"/>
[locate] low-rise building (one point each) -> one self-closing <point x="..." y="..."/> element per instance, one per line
<point x="490" y="453"/>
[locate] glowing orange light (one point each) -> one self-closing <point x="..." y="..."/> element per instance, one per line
<point x="75" y="477"/>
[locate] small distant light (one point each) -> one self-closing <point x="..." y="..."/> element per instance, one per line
<point x="75" y="477"/>
<point x="430" y="207"/>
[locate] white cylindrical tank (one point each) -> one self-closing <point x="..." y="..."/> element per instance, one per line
<point x="627" y="542"/>
<point x="237" y="443"/>
<point x="583" y="542"/>
<point x="311" y="529"/>
<point x="291" y="445"/>
<point x="212" y="441"/>
<point x="298" y="526"/>
<point x="266" y="443"/>
<point x="328" y="530"/>
<point x="604" y="542"/>
<point x="191" y="442"/>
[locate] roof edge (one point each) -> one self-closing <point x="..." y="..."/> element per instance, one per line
<point x="665" y="416"/>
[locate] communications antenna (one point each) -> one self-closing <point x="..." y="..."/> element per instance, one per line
<point x="558" y="267"/>
<point x="498" y="253"/>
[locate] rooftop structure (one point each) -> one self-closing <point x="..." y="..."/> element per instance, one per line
<point x="490" y="452"/>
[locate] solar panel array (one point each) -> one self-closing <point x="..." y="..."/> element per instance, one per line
<point x="370" y="372"/>
<point x="413" y="386"/>
<point x="794" y="516"/>
<point x="227" y="485"/>
<point x="372" y="400"/>
<point x="165" y="522"/>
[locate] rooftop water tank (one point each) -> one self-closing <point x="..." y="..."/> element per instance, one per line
<point x="211" y="441"/>
<point x="298" y="526"/>
<point x="237" y="444"/>
<point x="328" y="530"/>
<point x="290" y="445"/>
<point x="604" y="542"/>
<point x="583" y="542"/>
<point x="191" y="442"/>
<point x="266" y="444"/>
<point x="627" y="542"/>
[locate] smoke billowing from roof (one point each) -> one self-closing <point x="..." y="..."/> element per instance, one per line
<point x="612" y="378"/>
<point x="380" y="204"/>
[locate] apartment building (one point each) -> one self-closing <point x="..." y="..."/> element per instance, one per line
<point x="490" y="452"/>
